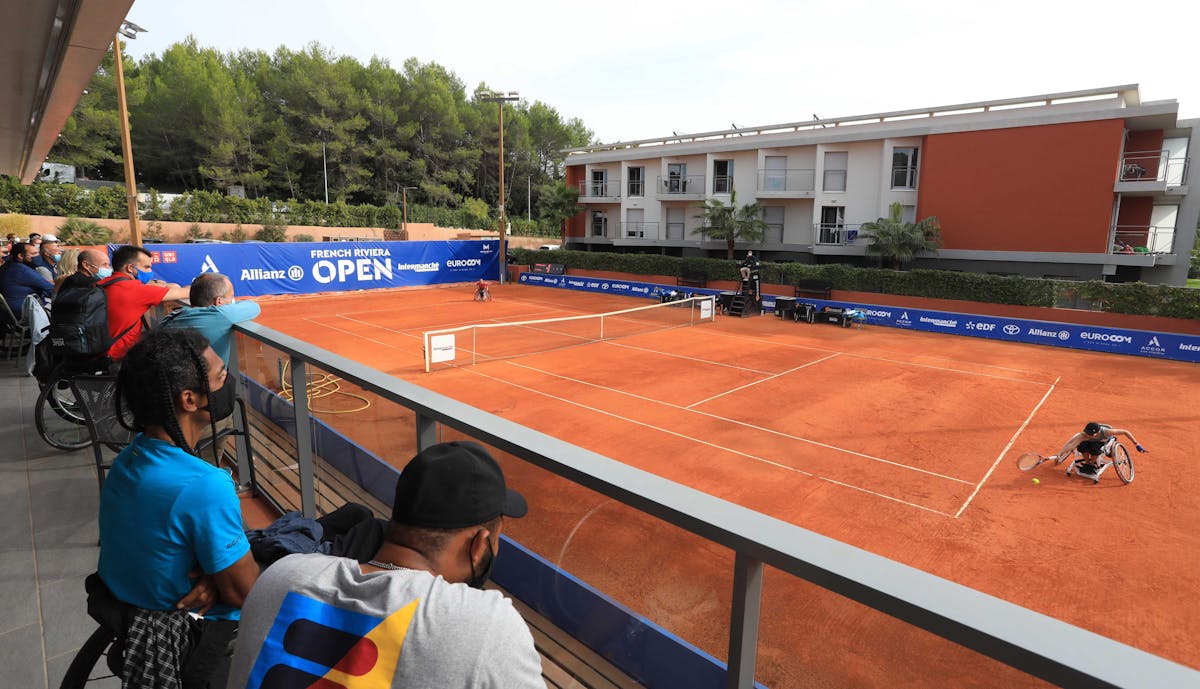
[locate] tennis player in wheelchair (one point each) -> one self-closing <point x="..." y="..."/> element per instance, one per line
<point x="481" y="291"/>
<point x="1095" y="441"/>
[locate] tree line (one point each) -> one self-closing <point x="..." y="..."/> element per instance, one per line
<point x="275" y="124"/>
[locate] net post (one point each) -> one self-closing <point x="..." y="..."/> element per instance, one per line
<point x="474" y="346"/>
<point x="425" y="351"/>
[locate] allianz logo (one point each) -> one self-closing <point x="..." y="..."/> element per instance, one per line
<point x="1040" y="332"/>
<point x="1106" y="337"/>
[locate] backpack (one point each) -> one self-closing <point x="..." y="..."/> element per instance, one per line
<point x="79" y="322"/>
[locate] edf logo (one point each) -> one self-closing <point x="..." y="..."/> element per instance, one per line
<point x="314" y="644"/>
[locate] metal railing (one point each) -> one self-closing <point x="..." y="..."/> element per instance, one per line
<point x="637" y="187"/>
<point x="599" y="228"/>
<point x="1153" y="166"/>
<point x="832" y="234"/>
<point x="681" y="185"/>
<point x="787" y="180"/>
<point x="1020" y="638"/>
<point x="1142" y="239"/>
<point x="593" y="189"/>
<point x="722" y="184"/>
<point x="637" y="230"/>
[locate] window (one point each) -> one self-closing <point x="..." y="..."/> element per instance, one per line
<point x="676" y="178"/>
<point x="833" y="220"/>
<point x="775" y="173"/>
<point x="722" y="176"/>
<point x="773" y="217"/>
<point x="636" y="177"/>
<point x="599" y="186"/>
<point x="599" y="224"/>
<point x="675" y="220"/>
<point x="904" y="168"/>
<point x="908" y="214"/>
<point x="835" y="171"/>
<point x="635" y="223"/>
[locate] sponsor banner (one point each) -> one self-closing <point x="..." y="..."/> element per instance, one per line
<point x="1086" y="337"/>
<point x="305" y="268"/>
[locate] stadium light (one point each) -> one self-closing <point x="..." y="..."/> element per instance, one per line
<point x="129" y="30"/>
<point x="499" y="98"/>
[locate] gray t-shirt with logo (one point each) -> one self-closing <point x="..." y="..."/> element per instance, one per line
<point x="315" y="616"/>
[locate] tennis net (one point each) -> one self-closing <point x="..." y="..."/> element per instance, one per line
<point x="473" y="344"/>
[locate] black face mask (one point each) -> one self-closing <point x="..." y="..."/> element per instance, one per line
<point x="485" y="570"/>
<point x="220" y="402"/>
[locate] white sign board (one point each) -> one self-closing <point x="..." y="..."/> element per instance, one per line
<point x="706" y="309"/>
<point x="441" y="348"/>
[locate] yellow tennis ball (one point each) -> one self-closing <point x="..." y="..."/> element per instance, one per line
<point x="1036" y="481"/>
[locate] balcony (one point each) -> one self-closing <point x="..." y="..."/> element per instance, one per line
<point x="608" y="191"/>
<point x="681" y="188"/>
<point x="1152" y="172"/>
<point x="838" y="234"/>
<point x="1142" y="239"/>
<point x="639" y="231"/>
<point x="787" y="184"/>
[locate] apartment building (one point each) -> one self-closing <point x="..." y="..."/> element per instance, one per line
<point x="1086" y="184"/>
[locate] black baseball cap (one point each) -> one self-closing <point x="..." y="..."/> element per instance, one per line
<point x="1092" y="428"/>
<point x="452" y="486"/>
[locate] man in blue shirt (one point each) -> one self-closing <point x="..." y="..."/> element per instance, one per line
<point x="46" y="260"/>
<point x="165" y="511"/>
<point x="213" y="311"/>
<point x="18" y="279"/>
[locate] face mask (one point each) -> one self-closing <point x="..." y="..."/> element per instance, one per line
<point x="485" y="570"/>
<point x="220" y="402"/>
<point x="145" y="276"/>
<point x="104" y="273"/>
<point x="55" y="257"/>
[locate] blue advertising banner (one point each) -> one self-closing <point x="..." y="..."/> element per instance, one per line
<point x="1087" y="337"/>
<point x="309" y="267"/>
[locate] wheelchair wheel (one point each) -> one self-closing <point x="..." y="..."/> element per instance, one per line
<point x="58" y="417"/>
<point x="82" y="668"/>
<point x="1123" y="463"/>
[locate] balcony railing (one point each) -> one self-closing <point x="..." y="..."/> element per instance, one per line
<point x="1143" y="239"/>
<point x="787" y="180"/>
<point x="637" y="187"/>
<point x="722" y="184"/>
<point x="1153" y="166"/>
<point x="681" y="185"/>
<point x="593" y="189"/>
<point x="637" y="230"/>
<point x="599" y="228"/>
<point x="837" y="234"/>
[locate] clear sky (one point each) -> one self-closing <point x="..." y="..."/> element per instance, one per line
<point x="636" y="70"/>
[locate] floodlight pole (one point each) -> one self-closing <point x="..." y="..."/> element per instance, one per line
<point x="404" y="196"/>
<point x="499" y="99"/>
<point x="135" y="235"/>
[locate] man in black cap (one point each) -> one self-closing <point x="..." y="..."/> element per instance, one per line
<point x="414" y="614"/>
<point x="1094" y="441"/>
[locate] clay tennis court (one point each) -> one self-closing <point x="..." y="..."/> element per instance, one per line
<point x="902" y="443"/>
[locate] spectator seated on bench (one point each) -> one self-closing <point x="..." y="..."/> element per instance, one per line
<point x="814" y="288"/>
<point x="692" y="278"/>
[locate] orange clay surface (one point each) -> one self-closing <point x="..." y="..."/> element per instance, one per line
<point x="901" y="443"/>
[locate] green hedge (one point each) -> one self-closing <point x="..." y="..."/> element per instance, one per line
<point x="1131" y="298"/>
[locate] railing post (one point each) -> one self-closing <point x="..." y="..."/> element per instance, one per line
<point x="241" y="442"/>
<point x="304" y="453"/>
<point x="743" y="622"/>
<point x="426" y="432"/>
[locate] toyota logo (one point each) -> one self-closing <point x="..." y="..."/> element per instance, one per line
<point x="1011" y="329"/>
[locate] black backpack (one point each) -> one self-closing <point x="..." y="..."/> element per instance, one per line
<point x="79" y="322"/>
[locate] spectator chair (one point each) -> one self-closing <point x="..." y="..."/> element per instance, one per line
<point x="16" y="333"/>
<point x="96" y="396"/>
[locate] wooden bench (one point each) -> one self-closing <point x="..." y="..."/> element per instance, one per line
<point x="692" y="278"/>
<point x="814" y="288"/>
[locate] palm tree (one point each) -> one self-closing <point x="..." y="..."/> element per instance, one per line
<point x="900" y="241"/>
<point x="731" y="223"/>
<point x="558" y="202"/>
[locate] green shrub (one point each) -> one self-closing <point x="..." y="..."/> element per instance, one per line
<point x="273" y="230"/>
<point x="80" y="232"/>
<point x="15" y="223"/>
<point x="303" y="238"/>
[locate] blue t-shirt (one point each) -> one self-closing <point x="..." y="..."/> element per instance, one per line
<point x="162" y="512"/>
<point x="214" y="322"/>
<point x="18" y="281"/>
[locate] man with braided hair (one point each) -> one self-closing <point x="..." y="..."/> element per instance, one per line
<point x="171" y="535"/>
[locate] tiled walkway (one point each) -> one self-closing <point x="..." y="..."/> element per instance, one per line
<point x="48" y="538"/>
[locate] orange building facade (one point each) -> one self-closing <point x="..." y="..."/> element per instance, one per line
<point x="1078" y="185"/>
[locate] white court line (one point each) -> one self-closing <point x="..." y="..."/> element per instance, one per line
<point x="1007" y="447"/>
<point x="878" y="358"/>
<point x="687" y="358"/>
<point x="741" y="423"/>
<point x="703" y="442"/>
<point x="325" y="324"/>
<point x="763" y="380"/>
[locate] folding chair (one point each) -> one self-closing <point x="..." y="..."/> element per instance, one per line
<point x="16" y="332"/>
<point x="96" y="396"/>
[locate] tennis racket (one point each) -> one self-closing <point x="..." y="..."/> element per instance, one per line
<point x="1030" y="460"/>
